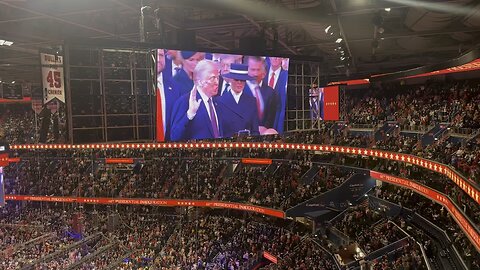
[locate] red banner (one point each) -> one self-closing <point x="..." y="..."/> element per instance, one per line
<point x="257" y="161"/>
<point x="351" y="82"/>
<point x="13" y="160"/>
<point x="4" y="160"/>
<point x="9" y="101"/>
<point x="331" y="103"/>
<point x="119" y="160"/>
<point x="160" y="135"/>
<point x="270" y="257"/>
<point x="155" y="202"/>
<point x="474" y="65"/>
<point x="436" y="196"/>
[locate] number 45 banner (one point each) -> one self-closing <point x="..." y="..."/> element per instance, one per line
<point x="52" y="77"/>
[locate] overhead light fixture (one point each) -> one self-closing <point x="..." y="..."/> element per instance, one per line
<point x="13" y="82"/>
<point x="342" y="58"/>
<point x="5" y="42"/>
<point x="338" y="40"/>
<point x="388" y="9"/>
<point x="328" y="29"/>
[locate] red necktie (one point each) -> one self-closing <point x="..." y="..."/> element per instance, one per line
<point x="160" y="132"/>
<point x="259" y="103"/>
<point x="272" y="80"/>
<point x="213" y="120"/>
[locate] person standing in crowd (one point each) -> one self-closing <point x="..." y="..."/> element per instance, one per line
<point x="239" y="109"/>
<point x="225" y="61"/>
<point x="182" y="82"/>
<point x="173" y="64"/>
<point x="196" y="114"/>
<point x="266" y="98"/>
<point x="277" y="79"/>
<point x="166" y="96"/>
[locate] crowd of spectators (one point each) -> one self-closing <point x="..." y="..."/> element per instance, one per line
<point x="408" y="257"/>
<point x="437" y="215"/>
<point x="218" y="175"/>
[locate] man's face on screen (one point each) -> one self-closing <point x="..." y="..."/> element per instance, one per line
<point x="190" y="63"/>
<point x="225" y="64"/>
<point x="210" y="82"/>
<point x="256" y="69"/>
<point x="237" y="86"/>
<point x="160" y="60"/>
<point x="275" y="62"/>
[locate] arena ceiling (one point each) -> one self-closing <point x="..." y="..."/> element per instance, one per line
<point x="378" y="36"/>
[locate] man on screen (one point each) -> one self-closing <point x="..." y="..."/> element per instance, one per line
<point x="196" y="115"/>
<point x="277" y="79"/>
<point x="182" y="82"/>
<point x="226" y="60"/>
<point x="239" y="110"/>
<point x="267" y="100"/>
<point x="166" y="97"/>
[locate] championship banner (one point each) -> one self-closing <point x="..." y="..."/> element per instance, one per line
<point x="52" y="77"/>
<point x="331" y="103"/>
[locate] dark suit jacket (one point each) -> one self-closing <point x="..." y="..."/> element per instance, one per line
<point x="182" y="83"/>
<point x="199" y="127"/>
<point x="171" y="96"/>
<point x="281" y="90"/>
<point x="239" y="116"/>
<point x="271" y="102"/>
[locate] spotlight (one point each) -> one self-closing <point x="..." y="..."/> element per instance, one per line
<point x="338" y="40"/>
<point x="13" y="82"/>
<point x="328" y="29"/>
<point x="388" y="9"/>
<point x="342" y="58"/>
<point x="5" y="42"/>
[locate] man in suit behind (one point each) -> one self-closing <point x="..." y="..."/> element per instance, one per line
<point x="196" y="115"/>
<point x="277" y="79"/>
<point x="166" y="97"/>
<point x="239" y="110"/>
<point x="267" y="99"/>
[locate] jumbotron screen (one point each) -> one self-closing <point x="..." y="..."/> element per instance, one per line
<point x="207" y="95"/>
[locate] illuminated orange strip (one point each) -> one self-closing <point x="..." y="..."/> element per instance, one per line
<point x="14" y="160"/>
<point x="270" y="257"/>
<point x="434" y="195"/>
<point x="154" y="202"/>
<point x="257" y="161"/>
<point x="472" y="190"/>
<point x="119" y="160"/>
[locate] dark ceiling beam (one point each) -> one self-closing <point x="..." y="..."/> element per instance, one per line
<point x="59" y="15"/>
<point x="49" y="16"/>
<point x="255" y="9"/>
<point x="403" y="34"/>
<point x="343" y="34"/>
<point x="271" y="35"/>
<point x="171" y="23"/>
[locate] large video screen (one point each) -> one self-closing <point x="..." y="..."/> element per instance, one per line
<point x="207" y="95"/>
